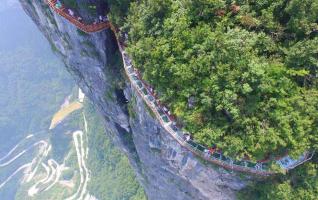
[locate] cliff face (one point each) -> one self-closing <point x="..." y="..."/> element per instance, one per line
<point x="165" y="169"/>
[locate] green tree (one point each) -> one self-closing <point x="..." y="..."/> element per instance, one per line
<point x="251" y="72"/>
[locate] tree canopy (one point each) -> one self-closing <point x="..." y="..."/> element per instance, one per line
<point x="249" y="69"/>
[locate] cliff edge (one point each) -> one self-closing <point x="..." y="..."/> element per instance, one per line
<point x="165" y="169"/>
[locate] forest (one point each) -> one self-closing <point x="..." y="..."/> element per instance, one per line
<point x="112" y="176"/>
<point x="241" y="75"/>
<point x="33" y="84"/>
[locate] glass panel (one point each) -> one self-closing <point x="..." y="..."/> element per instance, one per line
<point x="145" y="91"/>
<point x="192" y="143"/>
<point x="160" y="111"/>
<point x="165" y="119"/>
<point x="151" y="98"/>
<point x="216" y="155"/>
<point x="139" y="84"/>
<point x="251" y="165"/>
<point x="201" y="148"/>
<point x="130" y="70"/>
<point x="174" y="128"/>
<point x="180" y="134"/>
<point x="265" y="166"/>
<point x="224" y="158"/>
<point x="239" y="162"/>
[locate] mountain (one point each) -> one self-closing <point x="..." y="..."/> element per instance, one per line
<point x="230" y="72"/>
<point x="33" y="84"/>
<point x="74" y="158"/>
<point x="164" y="168"/>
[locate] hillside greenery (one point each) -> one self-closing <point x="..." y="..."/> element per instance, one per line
<point x="252" y="74"/>
<point x="33" y="84"/>
<point x="111" y="175"/>
<point x="249" y="69"/>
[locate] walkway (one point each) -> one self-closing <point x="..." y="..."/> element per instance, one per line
<point x="87" y="28"/>
<point x="167" y="121"/>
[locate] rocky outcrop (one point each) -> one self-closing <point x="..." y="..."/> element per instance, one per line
<point x="165" y="169"/>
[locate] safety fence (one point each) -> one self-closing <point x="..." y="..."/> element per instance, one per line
<point x="78" y="22"/>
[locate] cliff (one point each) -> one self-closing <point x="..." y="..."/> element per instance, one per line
<point x="164" y="168"/>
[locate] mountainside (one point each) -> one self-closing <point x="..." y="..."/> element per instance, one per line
<point x="164" y="168"/>
<point x="240" y="75"/>
<point x="70" y="159"/>
<point x="33" y="83"/>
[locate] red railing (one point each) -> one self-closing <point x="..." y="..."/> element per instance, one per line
<point x="88" y="28"/>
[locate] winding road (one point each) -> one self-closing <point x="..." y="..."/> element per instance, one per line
<point x="84" y="172"/>
<point x="28" y="166"/>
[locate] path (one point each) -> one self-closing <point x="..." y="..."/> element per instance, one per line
<point x="84" y="172"/>
<point x="21" y="153"/>
<point x="34" y="189"/>
<point x="46" y="149"/>
<point x="56" y="171"/>
<point x="14" y="173"/>
<point x="27" y="166"/>
<point x="15" y="147"/>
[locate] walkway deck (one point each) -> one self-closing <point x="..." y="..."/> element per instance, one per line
<point x="87" y="28"/>
<point x="167" y="121"/>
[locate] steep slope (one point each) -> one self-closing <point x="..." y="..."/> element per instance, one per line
<point x="163" y="167"/>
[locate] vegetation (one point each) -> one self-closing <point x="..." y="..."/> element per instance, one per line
<point x="33" y="84"/>
<point x="118" y="11"/>
<point x="111" y="175"/>
<point x="301" y="183"/>
<point x="252" y="74"/>
<point x="249" y="69"/>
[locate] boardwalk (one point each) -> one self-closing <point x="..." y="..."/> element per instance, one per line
<point x="146" y="92"/>
<point x="87" y="28"/>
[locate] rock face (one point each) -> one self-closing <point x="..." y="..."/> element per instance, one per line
<point x="166" y="170"/>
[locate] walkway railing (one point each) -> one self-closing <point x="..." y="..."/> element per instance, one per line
<point x="88" y="28"/>
<point x="167" y="121"/>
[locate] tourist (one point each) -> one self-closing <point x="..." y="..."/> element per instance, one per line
<point x="58" y="4"/>
<point x="151" y="89"/>
<point x="70" y="12"/>
<point x="206" y="153"/>
<point x="105" y="19"/>
<point x="165" y="109"/>
<point x="126" y="37"/>
<point x="212" y="149"/>
<point x="187" y="137"/>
